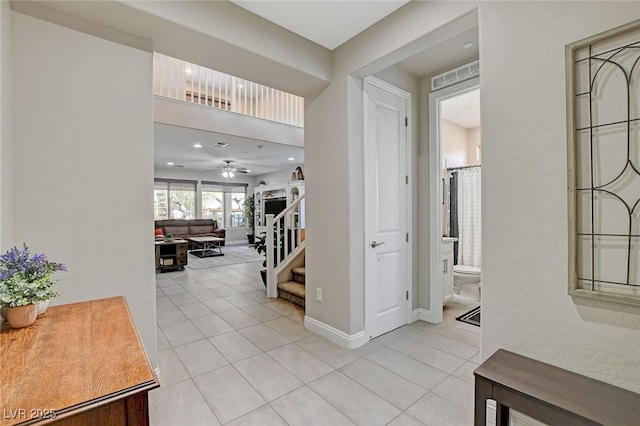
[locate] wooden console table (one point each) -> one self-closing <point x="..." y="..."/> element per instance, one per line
<point x="79" y="364"/>
<point x="549" y="394"/>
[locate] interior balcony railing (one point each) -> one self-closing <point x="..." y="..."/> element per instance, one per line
<point x="181" y="80"/>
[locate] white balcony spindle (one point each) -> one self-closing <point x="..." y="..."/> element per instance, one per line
<point x="206" y="87"/>
<point x="244" y="93"/>
<point x="278" y="242"/>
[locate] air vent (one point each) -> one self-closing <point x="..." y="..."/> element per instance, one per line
<point x="219" y="145"/>
<point x="454" y="76"/>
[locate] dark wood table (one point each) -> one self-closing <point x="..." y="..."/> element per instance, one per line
<point x="78" y="364"/>
<point x="550" y="394"/>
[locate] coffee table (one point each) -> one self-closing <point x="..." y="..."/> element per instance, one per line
<point x="206" y="246"/>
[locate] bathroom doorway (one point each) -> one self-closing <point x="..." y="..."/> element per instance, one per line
<point x="455" y="155"/>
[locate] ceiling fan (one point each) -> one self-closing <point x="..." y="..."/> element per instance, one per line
<point x="229" y="171"/>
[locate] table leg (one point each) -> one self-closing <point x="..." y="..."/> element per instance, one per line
<point x="484" y="391"/>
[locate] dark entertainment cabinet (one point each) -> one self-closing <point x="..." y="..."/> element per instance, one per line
<point x="171" y="255"/>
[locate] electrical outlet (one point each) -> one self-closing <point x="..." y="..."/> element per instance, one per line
<point x="319" y="294"/>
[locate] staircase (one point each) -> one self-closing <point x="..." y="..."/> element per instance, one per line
<point x="285" y="249"/>
<point x="293" y="291"/>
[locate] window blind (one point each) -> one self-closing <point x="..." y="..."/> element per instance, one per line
<point x="224" y="187"/>
<point x="175" y="184"/>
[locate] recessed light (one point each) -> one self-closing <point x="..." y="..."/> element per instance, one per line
<point x="169" y="163"/>
<point x="197" y="145"/>
<point x="290" y="158"/>
<point x="467" y="45"/>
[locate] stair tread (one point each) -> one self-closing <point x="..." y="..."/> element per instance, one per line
<point x="292" y="287"/>
<point x="298" y="271"/>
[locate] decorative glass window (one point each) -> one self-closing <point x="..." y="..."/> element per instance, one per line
<point x="604" y="165"/>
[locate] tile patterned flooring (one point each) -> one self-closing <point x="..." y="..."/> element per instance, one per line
<point x="228" y="355"/>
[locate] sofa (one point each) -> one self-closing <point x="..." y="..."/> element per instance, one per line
<point x="186" y="229"/>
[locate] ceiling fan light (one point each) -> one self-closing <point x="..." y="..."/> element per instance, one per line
<point x="225" y="173"/>
<point x="230" y="174"/>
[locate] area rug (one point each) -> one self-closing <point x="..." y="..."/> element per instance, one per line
<point x="233" y="254"/>
<point x="471" y="317"/>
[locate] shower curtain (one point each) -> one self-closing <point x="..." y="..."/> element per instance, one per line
<point x="469" y="216"/>
<point x="453" y="212"/>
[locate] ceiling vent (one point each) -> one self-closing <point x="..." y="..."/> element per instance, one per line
<point x="454" y="76"/>
<point x="219" y="145"/>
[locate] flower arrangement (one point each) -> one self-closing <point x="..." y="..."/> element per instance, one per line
<point x="26" y="279"/>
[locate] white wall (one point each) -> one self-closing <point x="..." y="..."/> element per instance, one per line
<point x="474" y="154"/>
<point x="233" y="235"/>
<point x="459" y="145"/>
<point x="6" y="144"/>
<point x="178" y="113"/>
<point x="280" y="176"/>
<point x="455" y="144"/>
<point x="83" y="163"/>
<point x="525" y="305"/>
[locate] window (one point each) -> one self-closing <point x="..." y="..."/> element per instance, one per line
<point x="174" y="199"/>
<point x="213" y="205"/>
<point x="237" y="209"/>
<point x="224" y="203"/>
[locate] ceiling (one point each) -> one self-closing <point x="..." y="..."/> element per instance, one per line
<point x="175" y="144"/>
<point x="464" y="109"/>
<point x="328" y="23"/>
<point x="443" y="56"/>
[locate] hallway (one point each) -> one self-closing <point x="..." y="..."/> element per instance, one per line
<point x="229" y="355"/>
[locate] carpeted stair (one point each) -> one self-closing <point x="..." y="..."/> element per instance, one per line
<point x="293" y="291"/>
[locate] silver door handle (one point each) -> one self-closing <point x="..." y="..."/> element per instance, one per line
<point x="375" y="244"/>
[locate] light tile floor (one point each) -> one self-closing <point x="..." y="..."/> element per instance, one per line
<point x="229" y="355"/>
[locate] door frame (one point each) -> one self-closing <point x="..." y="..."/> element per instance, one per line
<point x="436" y="191"/>
<point x="368" y="310"/>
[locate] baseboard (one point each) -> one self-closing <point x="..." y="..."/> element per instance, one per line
<point x="236" y="243"/>
<point x="421" y="314"/>
<point x="340" y="338"/>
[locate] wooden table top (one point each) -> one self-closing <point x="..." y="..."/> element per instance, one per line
<point x="176" y="241"/>
<point x="592" y="399"/>
<point x="205" y="239"/>
<point x="75" y="355"/>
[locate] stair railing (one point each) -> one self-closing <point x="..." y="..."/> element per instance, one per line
<point x="284" y="241"/>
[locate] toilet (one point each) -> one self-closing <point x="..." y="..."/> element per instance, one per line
<point x="465" y="275"/>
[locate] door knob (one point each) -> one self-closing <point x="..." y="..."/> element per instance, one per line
<point x="375" y="244"/>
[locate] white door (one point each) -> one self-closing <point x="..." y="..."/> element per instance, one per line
<point x="386" y="186"/>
